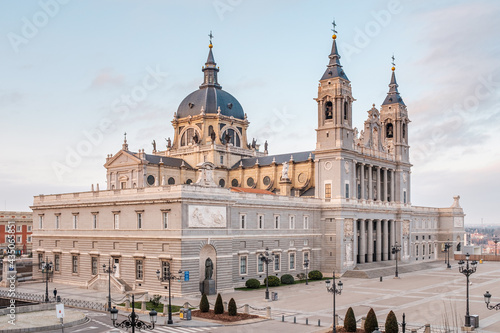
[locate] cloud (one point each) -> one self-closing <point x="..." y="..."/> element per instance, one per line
<point x="107" y="78"/>
<point x="10" y="98"/>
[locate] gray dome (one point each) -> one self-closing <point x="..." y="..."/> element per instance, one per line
<point x="210" y="98"/>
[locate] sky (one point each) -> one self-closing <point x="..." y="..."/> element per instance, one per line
<point x="76" y="75"/>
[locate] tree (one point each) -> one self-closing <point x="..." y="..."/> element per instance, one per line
<point x="204" y="306"/>
<point x="219" y="307"/>
<point x="231" y="308"/>
<point x="391" y="323"/>
<point x="371" y="322"/>
<point x="350" y="321"/>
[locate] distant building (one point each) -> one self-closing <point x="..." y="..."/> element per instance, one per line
<point x="212" y="193"/>
<point x="21" y="226"/>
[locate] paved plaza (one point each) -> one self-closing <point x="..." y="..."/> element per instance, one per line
<point x="435" y="296"/>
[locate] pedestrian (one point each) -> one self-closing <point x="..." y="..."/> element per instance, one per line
<point x="55" y="293"/>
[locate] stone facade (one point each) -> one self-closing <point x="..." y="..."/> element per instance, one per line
<point x="213" y="194"/>
<point x="20" y="226"/>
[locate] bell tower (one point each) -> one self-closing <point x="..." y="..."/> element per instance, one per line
<point x="334" y="105"/>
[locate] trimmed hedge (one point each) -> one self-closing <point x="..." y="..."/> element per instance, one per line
<point x="287" y="279"/>
<point x="204" y="306"/>
<point x="391" y="323"/>
<point x="252" y="284"/>
<point x="231" y="308"/>
<point x="371" y="322"/>
<point x="274" y="281"/>
<point x="350" y="321"/>
<point x="315" y="275"/>
<point x="219" y="307"/>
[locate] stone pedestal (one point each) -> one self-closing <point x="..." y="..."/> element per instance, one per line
<point x="285" y="187"/>
<point x="208" y="287"/>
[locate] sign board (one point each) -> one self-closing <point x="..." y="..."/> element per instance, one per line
<point x="60" y="310"/>
<point x="186" y="276"/>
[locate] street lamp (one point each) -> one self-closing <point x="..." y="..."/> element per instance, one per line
<point x="167" y="276"/>
<point x="109" y="270"/>
<point x="133" y="320"/>
<point x="306" y="266"/>
<point x="467" y="271"/>
<point x="447" y="247"/>
<point x="266" y="259"/>
<point x="395" y="249"/>
<point x="46" y="268"/>
<point x="495" y="240"/>
<point x="487" y="298"/>
<point x="334" y="289"/>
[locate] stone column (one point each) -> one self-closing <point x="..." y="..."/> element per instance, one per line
<point x="385" y="244"/>
<point x="378" y="251"/>
<point x="393" y="237"/>
<point x="393" y="185"/>
<point x="370" y="241"/>
<point x="362" y="239"/>
<point x="379" y="190"/>
<point x="355" y="240"/>
<point x="362" y="179"/>
<point x="370" y="182"/>
<point x="354" y="186"/>
<point x="384" y="199"/>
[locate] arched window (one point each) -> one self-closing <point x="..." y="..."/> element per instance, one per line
<point x="234" y="183"/>
<point x="231" y="136"/>
<point x="328" y="110"/>
<point x="389" y="131"/>
<point x="346" y="107"/>
<point x="222" y="183"/>
<point x="189" y="181"/>
<point x="171" y="181"/>
<point x="404" y="131"/>
<point x="187" y="137"/>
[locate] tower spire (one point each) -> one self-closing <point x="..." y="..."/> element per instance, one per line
<point x="125" y="144"/>
<point x="393" y="96"/>
<point x="210" y="69"/>
<point x="334" y="68"/>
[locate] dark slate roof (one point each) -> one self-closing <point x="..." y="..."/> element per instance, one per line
<point x="210" y="98"/>
<point x="170" y="161"/>
<point x="393" y="96"/>
<point x="309" y="193"/>
<point x="279" y="159"/>
<point x="334" y="68"/>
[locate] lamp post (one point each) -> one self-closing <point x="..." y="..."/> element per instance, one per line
<point x="403" y="324"/>
<point x="467" y="271"/>
<point x="447" y="247"/>
<point x="167" y="276"/>
<point x="306" y="266"/>
<point x="487" y="298"/>
<point x="495" y="240"/>
<point x="133" y="320"/>
<point x="395" y="249"/>
<point x="46" y="268"/>
<point x="266" y="259"/>
<point x="109" y="270"/>
<point x="334" y="289"/>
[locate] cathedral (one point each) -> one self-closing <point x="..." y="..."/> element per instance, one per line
<point x="212" y="196"/>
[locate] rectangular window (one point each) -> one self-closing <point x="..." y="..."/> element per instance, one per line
<point x="260" y="221"/>
<point x="221" y="159"/>
<point x="19" y="228"/>
<point x="277" y="263"/>
<point x="139" y="220"/>
<point x="416" y="250"/>
<point x="57" y="261"/>
<point x="19" y="239"/>
<point x="306" y="222"/>
<point x="57" y="221"/>
<point x="75" y="264"/>
<point x="276" y="221"/>
<point x="243" y="265"/>
<point x="292" y="261"/>
<point x="243" y="221"/>
<point x="291" y="220"/>
<point x="75" y="221"/>
<point x="29" y="239"/>
<point x="40" y="221"/>
<point x="423" y="249"/>
<point x="138" y="269"/>
<point x="260" y="265"/>
<point x="347" y="191"/>
<point x="116" y="221"/>
<point x="30" y="228"/>
<point x="40" y="260"/>
<point x="94" y="221"/>
<point x="164" y="268"/>
<point x="404" y="196"/>
<point x="328" y="191"/>
<point x="165" y="220"/>
<point x="94" y="266"/>
<point x="123" y="185"/>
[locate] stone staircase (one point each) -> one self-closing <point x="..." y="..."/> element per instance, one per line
<point x="387" y="268"/>
<point x="100" y="282"/>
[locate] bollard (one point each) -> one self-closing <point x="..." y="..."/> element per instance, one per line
<point x="225" y="306"/>
<point x="307" y="321"/>
<point x="165" y="310"/>
<point x="268" y="312"/>
<point x="246" y="309"/>
<point x="143" y="305"/>
<point x="283" y="318"/>
<point x="427" y="328"/>
<point x="319" y="322"/>
<point x="380" y="279"/>
<point x="127" y="304"/>
<point x="295" y="320"/>
<point x="336" y="320"/>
